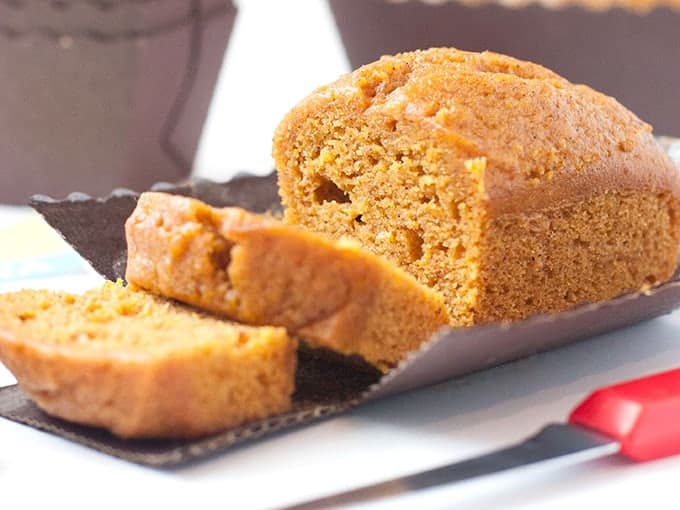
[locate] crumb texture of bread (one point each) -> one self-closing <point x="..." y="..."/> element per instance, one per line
<point x="141" y="366"/>
<point x="256" y="270"/>
<point x="494" y="181"/>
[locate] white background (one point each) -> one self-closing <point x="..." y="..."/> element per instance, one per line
<point x="262" y="79"/>
<point x="278" y="53"/>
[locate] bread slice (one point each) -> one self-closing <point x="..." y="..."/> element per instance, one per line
<point x="141" y="366"/>
<point x="494" y="181"/>
<point x="259" y="271"/>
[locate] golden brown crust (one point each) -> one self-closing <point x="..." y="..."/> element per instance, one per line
<point x="580" y="253"/>
<point x="564" y="142"/>
<point x="85" y="369"/>
<point x="260" y="271"/>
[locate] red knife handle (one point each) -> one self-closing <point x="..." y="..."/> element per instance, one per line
<point x="642" y="415"/>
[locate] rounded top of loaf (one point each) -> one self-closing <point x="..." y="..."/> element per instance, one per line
<point x="538" y="138"/>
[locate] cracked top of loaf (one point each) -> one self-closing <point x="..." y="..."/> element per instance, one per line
<point x="563" y="142"/>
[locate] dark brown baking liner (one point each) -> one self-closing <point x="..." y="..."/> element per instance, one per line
<point x="324" y="386"/>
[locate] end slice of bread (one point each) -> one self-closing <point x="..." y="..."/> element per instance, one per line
<point x="257" y="270"/>
<point x="141" y="366"/>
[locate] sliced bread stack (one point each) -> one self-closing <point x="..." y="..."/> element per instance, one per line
<point x="142" y="365"/>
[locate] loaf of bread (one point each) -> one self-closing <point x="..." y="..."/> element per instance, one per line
<point x="141" y="366"/>
<point x="256" y="270"/>
<point x="494" y="181"/>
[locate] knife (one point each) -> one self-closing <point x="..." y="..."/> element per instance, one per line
<point x="638" y="419"/>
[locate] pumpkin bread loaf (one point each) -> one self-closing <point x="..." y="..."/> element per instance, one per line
<point x="494" y="181"/>
<point x="141" y="366"/>
<point x="256" y="270"/>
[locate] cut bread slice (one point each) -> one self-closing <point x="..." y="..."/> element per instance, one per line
<point x="257" y="270"/>
<point x="141" y="366"/>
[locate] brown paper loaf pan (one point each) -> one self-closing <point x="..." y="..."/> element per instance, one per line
<point x="631" y="55"/>
<point x="96" y="94"/>
<point x="324" y="386"/>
